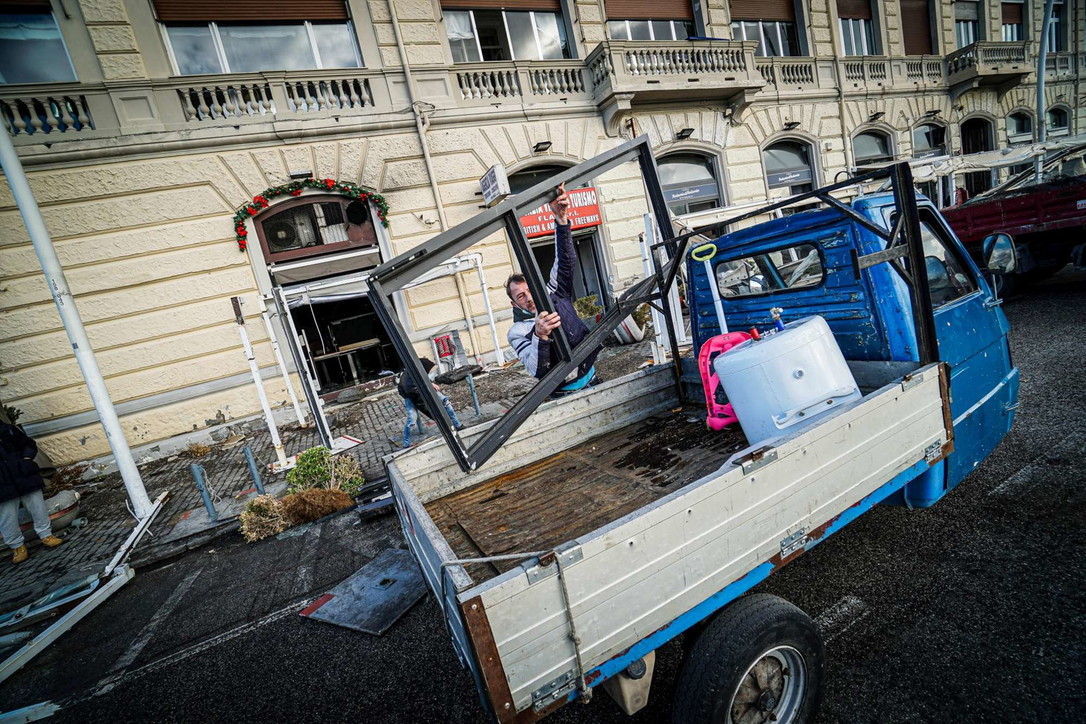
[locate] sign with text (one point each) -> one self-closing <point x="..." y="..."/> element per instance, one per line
<point x="495" y="185"/>
<point x="584" y="212"/>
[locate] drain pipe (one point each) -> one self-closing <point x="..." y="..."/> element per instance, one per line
<point x="420" y="121"/>
<point x="73" y="325"/>
<point x="1042" y="117"/>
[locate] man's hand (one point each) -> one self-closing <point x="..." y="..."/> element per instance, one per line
<point x="545" y="323"/>
<point x="560" y="206"/>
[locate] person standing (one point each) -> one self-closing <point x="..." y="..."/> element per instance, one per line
<point x="530" y="335"/>
<point x="21" y="483"/>
<point x="414" y="403"/>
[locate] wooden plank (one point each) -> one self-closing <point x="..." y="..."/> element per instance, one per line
<point x="577" y="491"/>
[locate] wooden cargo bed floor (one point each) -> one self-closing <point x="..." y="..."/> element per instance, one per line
<point x="579" y="490"/>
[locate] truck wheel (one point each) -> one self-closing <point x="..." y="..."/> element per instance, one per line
<point x="759" y="661"/>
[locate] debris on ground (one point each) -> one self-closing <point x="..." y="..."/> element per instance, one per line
<point x="307" y="506"/>
<point x="262" y="518"/>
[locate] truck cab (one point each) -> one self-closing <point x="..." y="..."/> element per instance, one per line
<point x="806" y="264"/>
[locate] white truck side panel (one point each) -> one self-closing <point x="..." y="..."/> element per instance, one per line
<point x="642" y="572"/>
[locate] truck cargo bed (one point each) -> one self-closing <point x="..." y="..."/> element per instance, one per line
<point x="562" y="497"/>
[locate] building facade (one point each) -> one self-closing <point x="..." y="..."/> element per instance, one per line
<point x="170" y="144"/>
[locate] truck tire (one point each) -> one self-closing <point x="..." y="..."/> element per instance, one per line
<point x="758" y="661"/>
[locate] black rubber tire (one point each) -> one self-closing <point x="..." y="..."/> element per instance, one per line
<point x="735" y="640"/>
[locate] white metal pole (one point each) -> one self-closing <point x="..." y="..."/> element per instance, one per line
<point x="659" y="330"/>
<point x="1042" y="116"/>
<point x="255" y="369"/>
<point x="73" y="325"/>
<point x="499" y="354"/>
<point x="282" y="364"/>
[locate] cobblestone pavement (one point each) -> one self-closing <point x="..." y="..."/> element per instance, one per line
<point x="377" y="420"/>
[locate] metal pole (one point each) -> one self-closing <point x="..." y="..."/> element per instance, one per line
<point x="200" y="477"/>
<point x="1042" y="117"/>
<point x="659" y="342"/>
<point x="282" y="364"/>
<point x="499" y="355"/>
<point x="73" y="325"/>
<point x="261" y="395"/>
<point x="254" y="470"/>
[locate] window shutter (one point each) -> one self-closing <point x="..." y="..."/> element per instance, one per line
<point x="649" y="9"/>
<point x="854" y="9"/>
<point x="916" y="27"/>
<point x="203" y="11"/>
<point x="1012" y="13"/>
<point x="966" y="10"/>
<point x="554" y="6"/>
<point x="763" y="10"/>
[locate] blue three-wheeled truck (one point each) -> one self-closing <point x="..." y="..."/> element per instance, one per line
<point x="615" y="520"/>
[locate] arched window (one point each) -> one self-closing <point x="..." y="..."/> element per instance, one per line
<point x="871" y="147"/>
<point x="311" y="227"/>
<point x="1059" y="122"/>
<point x="788" y="165"/>
<point x="1020" y="127"/>
<point x="929" y="139"/>
<point x="690" y="183"/>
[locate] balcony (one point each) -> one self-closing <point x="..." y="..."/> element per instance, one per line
<point x="522" y="82"/>
<point x="1003" y="65"/>
<point x="803" y="77"/>
<point x="626" y="72"/>
<point x="1061" y="66"/>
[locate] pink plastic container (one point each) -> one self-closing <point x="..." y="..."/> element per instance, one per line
<point x="720" y="414"/>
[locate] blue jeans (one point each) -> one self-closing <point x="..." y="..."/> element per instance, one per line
<point x="414" y="419"/>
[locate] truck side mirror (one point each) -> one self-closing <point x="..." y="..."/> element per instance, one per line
<point x="1000" y="256"/>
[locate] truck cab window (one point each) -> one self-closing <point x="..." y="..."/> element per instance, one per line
<point x="948" y="277"/>
<point x="796" y="267"/>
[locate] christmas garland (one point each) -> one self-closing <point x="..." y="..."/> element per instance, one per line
<point x="295" y="188"/>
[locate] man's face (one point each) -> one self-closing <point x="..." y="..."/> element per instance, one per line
<point x="522" y="296"/>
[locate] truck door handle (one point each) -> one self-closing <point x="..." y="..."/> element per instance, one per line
<point x="992" y="302"/>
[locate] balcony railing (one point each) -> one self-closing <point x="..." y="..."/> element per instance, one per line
<point x="997" y="61"/>
<point x="690" y="69"/>
<point x="39" y="112"/>
<point x="866" y="73"/>
<point x="488" y="83"/>
<point x="1061" y="65"/>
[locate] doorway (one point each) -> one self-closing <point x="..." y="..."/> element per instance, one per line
<point x="978" y="136"/>
<point x="588" y="278"/>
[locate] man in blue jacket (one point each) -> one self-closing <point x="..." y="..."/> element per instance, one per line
<point x="530" y="335"/>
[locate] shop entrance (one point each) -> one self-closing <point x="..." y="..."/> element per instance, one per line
<point x="589" y="279"/>
<point x="342" y="340"/>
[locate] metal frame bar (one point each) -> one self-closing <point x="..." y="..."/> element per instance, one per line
<point x="398" y="273"/>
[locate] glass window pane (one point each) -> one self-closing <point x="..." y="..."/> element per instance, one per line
<point x="797" y="267"/>
<point x="32" y="50"/>
<point x="521" y="36"/>
<point x="871" y="146"/>
<point x="617" y="30"/>
<point x="684" y="30"/>
<point x="661" y="30"/>
<point x="689" y="183"/>
<point x="194" y="50"/>
<point x="490" y="26"/>
<point x="947" y="277"/>
<point x="251" y="48"/>
<point x="772" y="37"/>
<point x="552" y="37"/>
<point x="639" y="30"/>
<point x="336" y="45"/>
<point x="461" y="34"/>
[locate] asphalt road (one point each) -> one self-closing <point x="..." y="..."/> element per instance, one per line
<point x="969" y="611"/>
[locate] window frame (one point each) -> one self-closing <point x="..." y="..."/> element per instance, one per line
<point x="1016" y="138"/>
<point x="75" y="78"/>
<point x="220" y="50"/>
<point x="275" y="257"/>
<point x="716" y="169"/>
<point x="867" y="35"/>
<point x="766" y="253"/>
<point x="811" y="150"/>
<point x="652" y="30"/>
<point x="1053" y="130"/>
<point x="890" y="147"/>
<point x="928" y="151"/>
<point x="563" y="33"/>
<point x="945" y="236"/>
<point x="760" y="51"/>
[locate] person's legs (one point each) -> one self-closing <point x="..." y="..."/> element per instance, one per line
<point x="452" y="413"/>
<point x="9" y="523"/>
<point x="35" y="505"/>
<point x="412" y="419"/>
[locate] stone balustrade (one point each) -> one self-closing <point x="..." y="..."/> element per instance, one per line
<point x="520" y="81"/>
<point x="39" y="112"/>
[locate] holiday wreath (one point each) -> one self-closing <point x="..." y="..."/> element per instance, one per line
<point x="295" y="188"/>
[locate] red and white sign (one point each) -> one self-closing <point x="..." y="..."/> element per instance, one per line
<point x="584" y="213"/>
